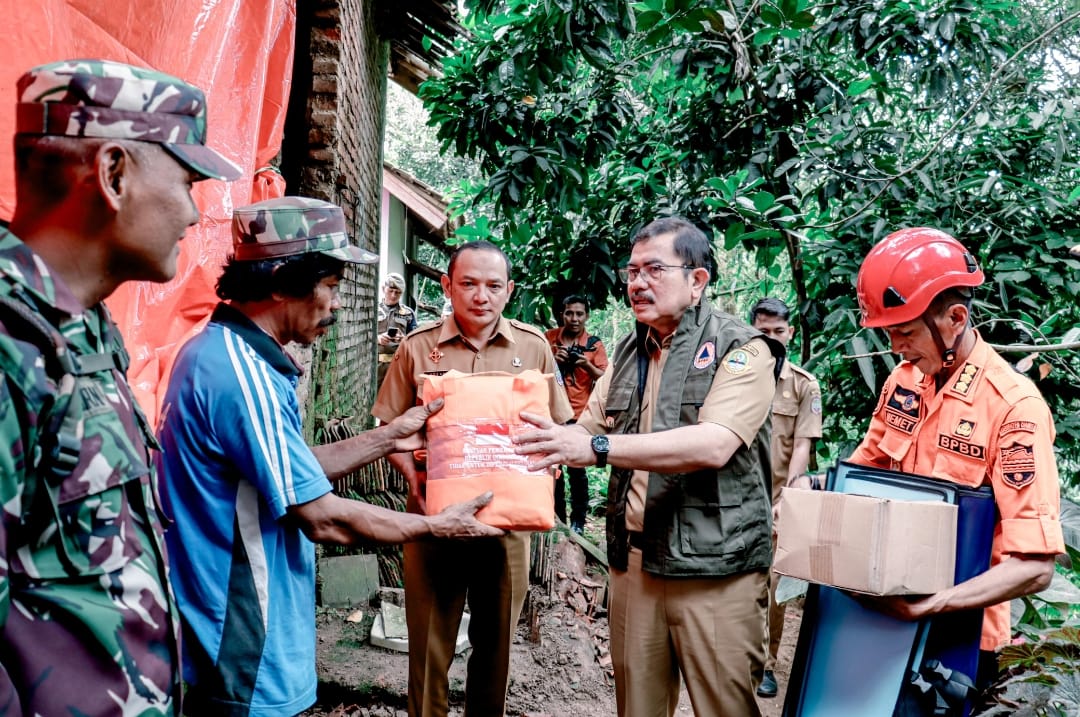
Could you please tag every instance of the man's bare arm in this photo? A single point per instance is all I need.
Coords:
(341, 458)
(340, 521)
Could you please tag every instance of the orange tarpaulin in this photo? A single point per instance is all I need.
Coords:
(240, 53)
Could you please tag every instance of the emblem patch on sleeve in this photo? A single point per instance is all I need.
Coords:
(1018, 464)
(737, 362)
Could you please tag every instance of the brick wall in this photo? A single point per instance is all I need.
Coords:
(344, 70)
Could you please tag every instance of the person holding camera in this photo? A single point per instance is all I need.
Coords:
(582, 360)
(395, 321)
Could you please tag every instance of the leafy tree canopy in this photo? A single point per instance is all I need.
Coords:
(800, 131)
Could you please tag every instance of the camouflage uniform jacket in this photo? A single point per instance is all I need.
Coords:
(88, 624)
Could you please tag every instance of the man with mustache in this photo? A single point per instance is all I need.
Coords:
(249, 498)
(682, 415)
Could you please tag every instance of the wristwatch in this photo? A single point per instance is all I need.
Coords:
(600, 446)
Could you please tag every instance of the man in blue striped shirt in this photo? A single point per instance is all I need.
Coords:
(249, 498)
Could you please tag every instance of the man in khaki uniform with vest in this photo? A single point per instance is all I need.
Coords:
(682, 416)
(492, 574)
(796, 422)
(396, 321)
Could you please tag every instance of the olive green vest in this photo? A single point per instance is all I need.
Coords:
(707, 523)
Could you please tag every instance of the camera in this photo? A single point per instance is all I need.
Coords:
(572, 354)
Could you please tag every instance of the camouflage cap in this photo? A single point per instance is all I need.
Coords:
(111, 100)
(395, 280)
(293, 225)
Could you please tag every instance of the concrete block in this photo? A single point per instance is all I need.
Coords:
(348, 580)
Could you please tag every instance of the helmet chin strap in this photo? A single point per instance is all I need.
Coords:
(948, 355)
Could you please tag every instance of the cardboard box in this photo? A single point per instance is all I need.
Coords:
(869, 545)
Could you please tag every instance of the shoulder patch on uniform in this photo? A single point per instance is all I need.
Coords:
(736, 362)
(815, 403)
(1017, 464)
(1014, 426)
(750, 348)
(706, 354)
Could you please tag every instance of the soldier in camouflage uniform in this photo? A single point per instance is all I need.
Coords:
(105, 154)
(247, 495)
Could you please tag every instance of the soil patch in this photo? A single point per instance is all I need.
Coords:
(560, 666)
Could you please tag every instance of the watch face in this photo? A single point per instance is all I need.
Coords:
(601, 444)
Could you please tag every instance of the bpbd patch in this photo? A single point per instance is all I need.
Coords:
(961, 447)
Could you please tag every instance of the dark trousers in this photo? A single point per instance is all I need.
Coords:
(579, 495)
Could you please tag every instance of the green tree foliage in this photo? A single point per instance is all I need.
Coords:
(800, 131)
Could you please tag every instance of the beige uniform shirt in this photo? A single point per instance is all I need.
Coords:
(738, 400)
(433, 349)
(796, 413)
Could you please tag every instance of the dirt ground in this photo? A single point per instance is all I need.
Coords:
(560, 665)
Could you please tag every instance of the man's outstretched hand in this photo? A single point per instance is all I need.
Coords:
(459, 520)
(407, 429)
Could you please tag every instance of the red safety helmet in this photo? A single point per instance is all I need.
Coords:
(905, 271)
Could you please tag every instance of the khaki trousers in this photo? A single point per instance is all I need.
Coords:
(712, 630)
(776, 618)
(492, 575)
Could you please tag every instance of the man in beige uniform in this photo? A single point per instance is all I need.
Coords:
(396, 321)
(796, 422)
(491, 573)
(682, 416)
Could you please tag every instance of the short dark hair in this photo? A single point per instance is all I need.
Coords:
(691, 244)
(770, 306)
(295, 276)
(948, 297)
(478, 245)
(576, 299)
(42, 164)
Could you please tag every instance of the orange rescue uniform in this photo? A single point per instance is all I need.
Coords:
(987, 426)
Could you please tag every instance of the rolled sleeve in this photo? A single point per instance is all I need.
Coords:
(742, 391)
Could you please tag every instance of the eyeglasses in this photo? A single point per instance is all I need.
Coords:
(653, 272)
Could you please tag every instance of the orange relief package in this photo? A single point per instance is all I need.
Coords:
(470, 452)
